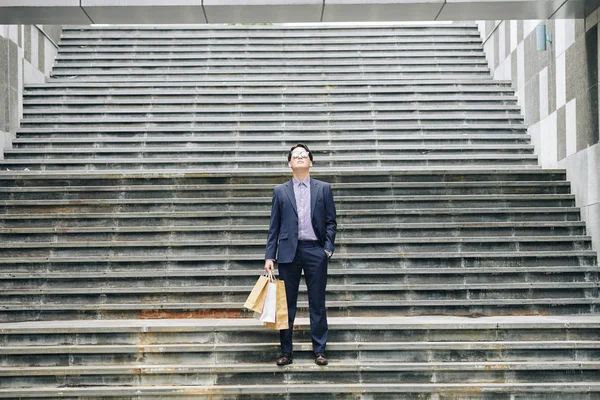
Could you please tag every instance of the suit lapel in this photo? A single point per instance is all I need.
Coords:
(314, 190)
(289, 190)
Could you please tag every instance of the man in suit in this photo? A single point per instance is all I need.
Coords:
(301, 238)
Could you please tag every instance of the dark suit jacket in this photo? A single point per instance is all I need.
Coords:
(282, 239)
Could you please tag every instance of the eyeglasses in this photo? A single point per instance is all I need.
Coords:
(300, 154)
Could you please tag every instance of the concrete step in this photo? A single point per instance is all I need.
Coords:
(263, 204)
(234, 152)
(353, 342)
(508, 118)
(282, 72)
(76, 247)
(213, 232)
(244, 77)
(275, 31)
(211, 165)
(239, 110)
(373, 52)
(408, 88)
(134, 190)
(252, 176)
(395, 85)
(240, 62)
(273, 42)
(168, 306)
(81, 100)
(164, 219)
(183, 141)
(304, 44)
(176, 290)
(165, 100)
(337, 275)
(374, 130)
(536, 257)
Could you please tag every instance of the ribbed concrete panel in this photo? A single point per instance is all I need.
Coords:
(381, 10)
(144, 11)
(457, 10)
(256, 11)
(52, 12)
(61, 12)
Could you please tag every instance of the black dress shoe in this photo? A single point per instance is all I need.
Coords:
(320, 359)
(284, 359)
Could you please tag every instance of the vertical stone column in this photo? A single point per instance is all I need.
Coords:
(558, 90)
(27, 53)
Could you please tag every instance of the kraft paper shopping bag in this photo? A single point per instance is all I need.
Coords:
(256, 299)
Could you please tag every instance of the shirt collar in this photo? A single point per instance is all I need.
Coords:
(306, 182)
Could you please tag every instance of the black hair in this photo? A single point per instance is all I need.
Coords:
(305, 147)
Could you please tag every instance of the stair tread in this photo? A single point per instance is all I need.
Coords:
(342, 227)
(332, 271)
(306, 367)
(330, 288)
(255, 257)
(311, 388)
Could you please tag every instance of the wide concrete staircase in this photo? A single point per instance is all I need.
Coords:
(135, 204)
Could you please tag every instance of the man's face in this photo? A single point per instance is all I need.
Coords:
(300, 159)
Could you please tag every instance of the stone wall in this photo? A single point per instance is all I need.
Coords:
(558, 93)
(26, 56)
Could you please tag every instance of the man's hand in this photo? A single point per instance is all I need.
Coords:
(269, 266)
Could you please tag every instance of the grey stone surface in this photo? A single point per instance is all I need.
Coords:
(20, 36)
(532, 100)
(4, 83)
(551, 86)
(496, 41)
(582, 64)
(53, 31)
(41, 50)
(587, 123)
(27, 42)
(42, 12)
(185, 11)
(460, 10)
(561, 133)
(380, 10)
(489, 27)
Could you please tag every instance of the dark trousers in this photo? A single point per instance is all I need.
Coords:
(311, 258)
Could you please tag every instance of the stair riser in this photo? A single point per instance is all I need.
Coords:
(268, 353)
(172, 248)
(186, 153)
(234, 178)
(334, 278)
(150, 143)
(59, 221)
(261, 235)
(144, 137)
(259, 206)
(174, 192)
(240, 60)
(450, 392)
(348, 299)
(430, 264)
(414, 310)
(136, 164)
(242, 336)
(333, 377)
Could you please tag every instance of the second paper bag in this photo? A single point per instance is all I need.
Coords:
(270, 308)
(281, 316)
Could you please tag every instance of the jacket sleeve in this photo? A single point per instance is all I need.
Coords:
(330, 222)
(274, 225)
